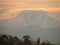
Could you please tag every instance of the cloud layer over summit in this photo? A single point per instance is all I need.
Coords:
(9, 8)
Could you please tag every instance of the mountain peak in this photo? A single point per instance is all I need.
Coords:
(29, 17)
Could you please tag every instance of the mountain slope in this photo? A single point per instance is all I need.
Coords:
(35, 23)
(29, 17)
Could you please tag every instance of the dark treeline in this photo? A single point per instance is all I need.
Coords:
(9, 40)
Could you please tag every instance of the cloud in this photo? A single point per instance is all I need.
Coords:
(55, 16)
(9, 8)
(29, 3)
(12, 12)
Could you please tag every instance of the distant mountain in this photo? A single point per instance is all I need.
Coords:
(29, 17)
(36, 23)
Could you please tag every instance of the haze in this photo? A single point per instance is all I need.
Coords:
(34, 17)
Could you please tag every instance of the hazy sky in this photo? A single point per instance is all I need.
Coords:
(10, 16)
(9, 7)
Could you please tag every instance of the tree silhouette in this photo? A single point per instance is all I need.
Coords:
(46, 42)
(38, 41)
(27, 40)
(43, 43)
(4, 40)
